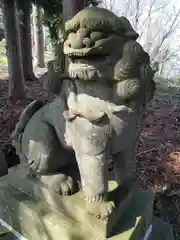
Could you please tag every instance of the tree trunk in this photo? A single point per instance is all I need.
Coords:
(16, 78)
(38, 36)
(71, 7)
(1, 18)
(45, 38)
(24, 8)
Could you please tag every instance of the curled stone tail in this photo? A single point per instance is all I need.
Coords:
(23, 120)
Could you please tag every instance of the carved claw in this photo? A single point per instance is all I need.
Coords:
(60, 183)
(106, 209)
(66, 187)
(94, 199)
(101, 210)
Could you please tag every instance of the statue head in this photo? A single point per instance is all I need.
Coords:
(102, 46)
(94, 42)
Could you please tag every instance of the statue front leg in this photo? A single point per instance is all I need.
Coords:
(93, 170)
(94, 180)
(91, 143)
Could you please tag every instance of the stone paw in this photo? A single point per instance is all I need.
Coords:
(60, 183)
(101, 210)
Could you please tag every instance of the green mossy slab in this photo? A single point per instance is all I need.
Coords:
(36, 220)
(75, 207)
(38, 214)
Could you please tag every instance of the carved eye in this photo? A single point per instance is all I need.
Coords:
(95, 36)
(87, 42)
(84, 32)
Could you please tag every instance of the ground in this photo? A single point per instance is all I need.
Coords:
(158, 154)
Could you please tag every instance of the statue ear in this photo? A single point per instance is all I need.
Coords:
(130, 33)
(51, 81)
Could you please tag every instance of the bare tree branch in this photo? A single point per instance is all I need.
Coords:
(137, 14)
(157, 23)
(128, 4)
(155, 10)
(172, 27)
(109, 4)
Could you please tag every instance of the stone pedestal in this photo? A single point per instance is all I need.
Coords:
(38, 213)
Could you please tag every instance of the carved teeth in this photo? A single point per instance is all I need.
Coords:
(93, 200)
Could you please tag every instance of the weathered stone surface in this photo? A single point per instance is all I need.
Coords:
(22, 210)
(121, 198)
(35, 219)
(92, 125)
(161, 230)
(98, 113)
(70, 217)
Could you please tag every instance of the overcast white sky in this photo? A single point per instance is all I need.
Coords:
(161, 20)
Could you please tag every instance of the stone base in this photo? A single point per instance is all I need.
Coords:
(3, 231)
(37, 217)
(36, 220)
(161, 230)
(74, 207)
(5, 234)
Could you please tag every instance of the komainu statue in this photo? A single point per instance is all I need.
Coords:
(97, 115)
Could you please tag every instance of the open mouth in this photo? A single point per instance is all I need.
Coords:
(83, 68)
(87, 59)
(75, 47)
(85, 52)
